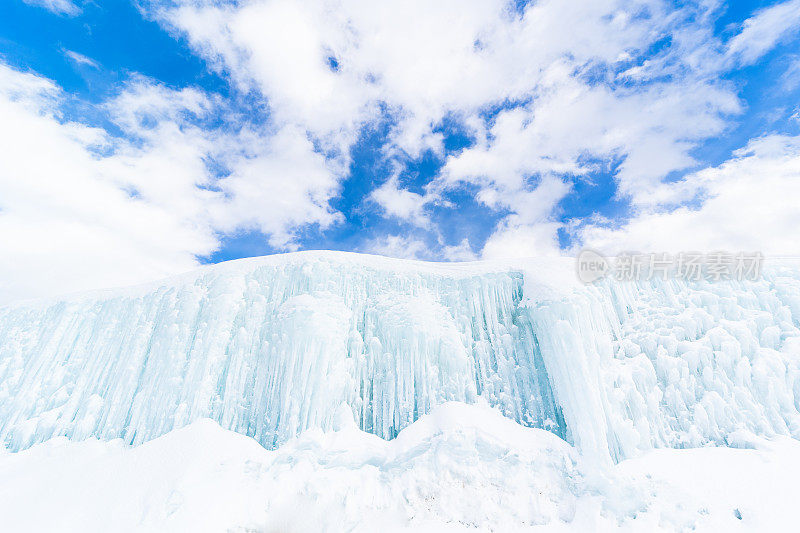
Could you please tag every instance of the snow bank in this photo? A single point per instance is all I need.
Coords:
(460, 468)
(270, 347)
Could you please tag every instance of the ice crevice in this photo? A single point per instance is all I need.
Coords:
(270, 347)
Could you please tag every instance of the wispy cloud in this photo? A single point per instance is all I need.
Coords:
(761, 32)
(80, 59)
(59, 7)
(791, 76)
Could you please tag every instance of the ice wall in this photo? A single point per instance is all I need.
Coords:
(638, 365)
(271, 346)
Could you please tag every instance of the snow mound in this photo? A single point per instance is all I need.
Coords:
(460, 468)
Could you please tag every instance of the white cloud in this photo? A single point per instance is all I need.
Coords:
(401, 203)
(28, 91)
(426, 61)
(463, 55)
(791, 76)
(398, 246)
(80, 208)
(761, 32)
(65, 224)
(520, 240)
(459, 252)
(80, 59)
(747, 203)
(410, 247)
(282, 49)
(652, 130)
(529, 231)
(278, 186)
(59, 7)
(567, 86)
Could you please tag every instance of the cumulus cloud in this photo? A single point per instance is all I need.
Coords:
(82, 208)
(66, 223)
(519, 240)
(745, 204)
(276, 186)
(401, 203)
(547, 93)
(332, 65)
(573, 84)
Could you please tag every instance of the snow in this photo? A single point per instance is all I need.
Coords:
(460, 468)
(732, 489)
(271, 347)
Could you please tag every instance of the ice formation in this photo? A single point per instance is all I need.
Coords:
(270, 347)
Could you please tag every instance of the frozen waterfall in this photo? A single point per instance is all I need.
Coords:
(271, 346)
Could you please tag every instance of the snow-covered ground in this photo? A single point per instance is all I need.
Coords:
(460, 468)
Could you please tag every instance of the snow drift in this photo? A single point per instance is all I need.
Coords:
(461, 468)
(273, 346)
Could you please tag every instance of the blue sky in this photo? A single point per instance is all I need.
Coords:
(167, 134)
